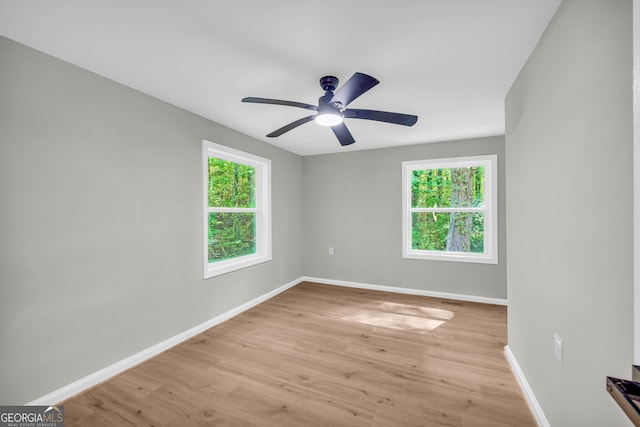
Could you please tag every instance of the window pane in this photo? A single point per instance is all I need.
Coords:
(447, 187)
(231, 235)
(453, 232)
(231, 184)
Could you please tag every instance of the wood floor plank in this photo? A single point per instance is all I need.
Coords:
(321, 355)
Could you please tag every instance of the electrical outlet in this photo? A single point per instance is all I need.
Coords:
(330, 250)
(557, 347)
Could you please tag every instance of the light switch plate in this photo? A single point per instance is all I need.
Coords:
(557, 347)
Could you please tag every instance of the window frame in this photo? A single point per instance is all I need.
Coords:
(490, 209)
(262, 209)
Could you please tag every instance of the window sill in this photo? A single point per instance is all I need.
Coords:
(223, 267)
(450, 256)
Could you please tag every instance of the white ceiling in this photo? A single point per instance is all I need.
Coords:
(451, 62)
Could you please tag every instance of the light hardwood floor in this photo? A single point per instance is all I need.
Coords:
(320, 355)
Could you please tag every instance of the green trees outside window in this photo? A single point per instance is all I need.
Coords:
(449, 209)
(232, 224)
(237, 209)
(445, 218)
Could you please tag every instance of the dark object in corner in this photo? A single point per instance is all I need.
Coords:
(627, 396)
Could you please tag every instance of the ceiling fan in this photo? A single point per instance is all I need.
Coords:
(332, 108)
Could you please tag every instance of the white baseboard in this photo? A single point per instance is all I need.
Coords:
(526, 389)
(110, 371)
(409, 291)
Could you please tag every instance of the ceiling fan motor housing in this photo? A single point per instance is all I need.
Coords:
(325, 106)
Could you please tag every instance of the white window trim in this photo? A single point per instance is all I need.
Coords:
(490, 255)
(262, 209)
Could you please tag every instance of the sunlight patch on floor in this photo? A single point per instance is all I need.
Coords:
(408, 318)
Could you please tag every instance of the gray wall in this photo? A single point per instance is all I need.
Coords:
(353, 202)
(569, 211)
(101, 223)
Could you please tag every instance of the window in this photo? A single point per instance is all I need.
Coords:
(237, 213)
(449, 209)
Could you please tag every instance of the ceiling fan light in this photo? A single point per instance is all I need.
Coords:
(328, 119)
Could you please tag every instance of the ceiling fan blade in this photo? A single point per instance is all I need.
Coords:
(354, 87)
(279, 102)
(381, 116)
(290, 126)
(343, 134)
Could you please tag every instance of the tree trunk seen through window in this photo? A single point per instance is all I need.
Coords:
(462, 191)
